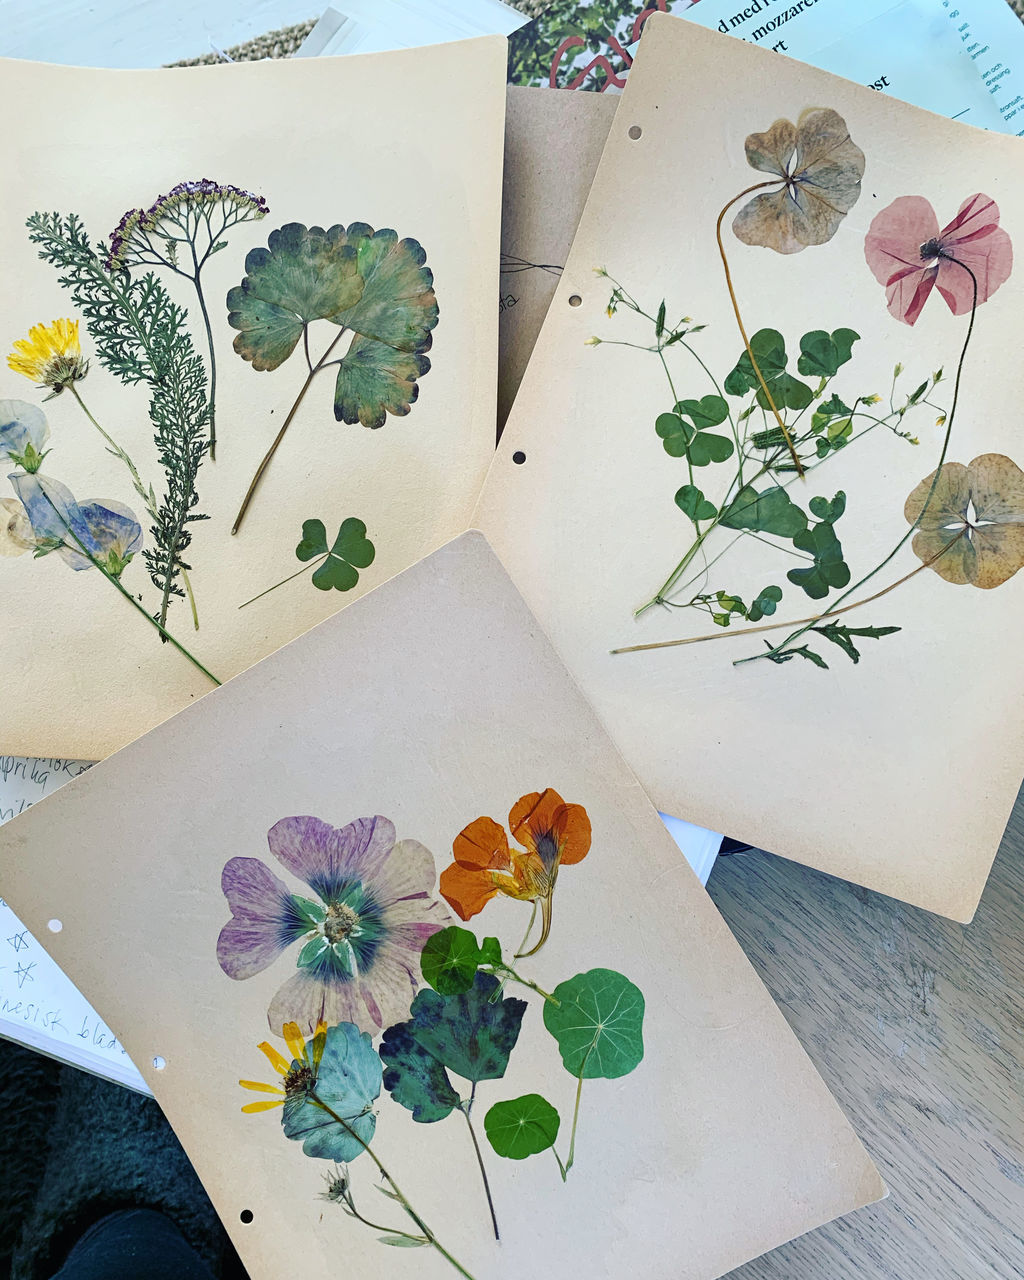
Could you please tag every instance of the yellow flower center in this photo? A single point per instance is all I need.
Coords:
(340, 921)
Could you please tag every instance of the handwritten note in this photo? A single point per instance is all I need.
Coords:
(39, 1006)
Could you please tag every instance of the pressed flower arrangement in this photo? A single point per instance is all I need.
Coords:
(370, 286)
(375, 956)
(769, 422)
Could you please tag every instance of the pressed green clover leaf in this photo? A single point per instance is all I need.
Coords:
(769, 350)
(822, 355)
(348, 1081)
(829, 569)
(765, 604)
(522, 1126)
(772, 511)
(691, 500)
(598, 1024)
(470, 1034)
(450, 958)
(304, 274)
(684, 431)
(351, 551)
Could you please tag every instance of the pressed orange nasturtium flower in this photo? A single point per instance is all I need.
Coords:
(297, 1075)
(552, 834)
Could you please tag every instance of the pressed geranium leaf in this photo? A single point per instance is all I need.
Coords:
(691, 500)
(397, 306)
(522, 1126)
(304, 274)
(598, 1024)
(348, 1081)
(822, 355)
(470, 1034)
(374, 380)
(772, 511)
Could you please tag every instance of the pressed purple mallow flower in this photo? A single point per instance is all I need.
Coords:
(361, 935)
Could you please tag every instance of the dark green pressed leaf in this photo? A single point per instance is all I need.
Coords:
(843, 636)
(826, 510)
(772, 511)
(822, 355)
(764, 604)
(826, 411)
(352, 550)
(449, 960)
(490, 952)
(706, 447)
(829, 570)
(470, 1034)
(314, 540)
(659, 324)
(348, 1081)
(522, 1126)
(674, 432)
(304, 274)
(787, 393)
(598, 1024)
(784, 655)
(709, 411)
(375, 380)
(691, 500)
(403, 1242)
(769, 350)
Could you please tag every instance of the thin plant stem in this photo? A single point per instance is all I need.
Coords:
(935, 478)
(818, 617)
(431, 1238)
(558, 1161)
(758, 186)
(520, 950)
(314, 370)
(575, 1118)
(509, 972)
(376, 1226)
(165, 634)
(213, 367)
(139, 487)
(305, 569)
(480, 1159)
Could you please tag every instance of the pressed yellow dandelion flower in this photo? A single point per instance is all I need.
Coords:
(51, 355)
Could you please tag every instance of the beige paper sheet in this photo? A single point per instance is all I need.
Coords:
(899, 772)
(410, 140)
(553, 142)
(434, 700)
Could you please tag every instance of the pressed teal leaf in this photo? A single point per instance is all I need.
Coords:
(304, 274)
(470, 1034)
(375, 380)
(772, 511)
(691, 500)
(348, 1081)
(522, 1126)
(598, 1024)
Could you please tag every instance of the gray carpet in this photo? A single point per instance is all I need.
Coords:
(73, 1147)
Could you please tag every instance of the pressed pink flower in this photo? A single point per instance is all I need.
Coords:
(910, 255)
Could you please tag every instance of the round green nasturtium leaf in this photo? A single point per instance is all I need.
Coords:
(522, 1127)
(304, 274)
(449, 960)
(598, 1024)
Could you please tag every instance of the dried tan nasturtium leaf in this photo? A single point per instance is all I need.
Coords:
(820, 169)
(974, 522)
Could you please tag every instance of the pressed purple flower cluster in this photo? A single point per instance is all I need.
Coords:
(194, 194)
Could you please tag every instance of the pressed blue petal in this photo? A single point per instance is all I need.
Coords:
(349, 1082)
(52, 511)
(21, 424)
(113, 529)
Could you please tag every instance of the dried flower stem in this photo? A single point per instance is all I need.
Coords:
(758, 186)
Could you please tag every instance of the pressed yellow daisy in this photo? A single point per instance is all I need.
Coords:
(51, 355)
(299, 1075)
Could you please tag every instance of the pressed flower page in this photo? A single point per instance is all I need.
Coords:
(417, 974)
(248, 331)
(762, 483)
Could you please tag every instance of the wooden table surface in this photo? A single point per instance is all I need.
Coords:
(917, 1026)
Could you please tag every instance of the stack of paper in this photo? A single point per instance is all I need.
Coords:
(749, 551)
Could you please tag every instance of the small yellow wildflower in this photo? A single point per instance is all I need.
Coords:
(51, 355)
(296, 1075)
(870, 399)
